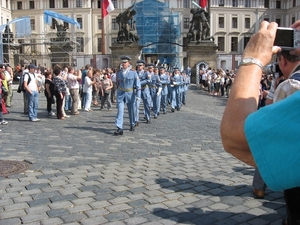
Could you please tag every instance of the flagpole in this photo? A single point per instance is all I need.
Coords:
(103, 36)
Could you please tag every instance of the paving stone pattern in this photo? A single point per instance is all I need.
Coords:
(172, 171)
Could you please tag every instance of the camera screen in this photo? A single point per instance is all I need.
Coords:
(284, 38)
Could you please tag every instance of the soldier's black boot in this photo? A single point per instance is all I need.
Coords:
(119, 131)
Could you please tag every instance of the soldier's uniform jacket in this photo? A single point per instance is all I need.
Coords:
(165, 80)
(128, 86)
(176, 80)
(155, 84)
(186, 82)
(145, 83)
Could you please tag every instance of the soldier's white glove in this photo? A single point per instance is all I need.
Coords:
(174, 83)
(159, 91)
(137, 98)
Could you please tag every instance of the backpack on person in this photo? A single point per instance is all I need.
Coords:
(21, 83)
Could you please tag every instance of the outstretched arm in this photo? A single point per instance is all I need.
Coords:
(243, 98)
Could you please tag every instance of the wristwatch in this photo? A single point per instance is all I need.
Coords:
(251, 61)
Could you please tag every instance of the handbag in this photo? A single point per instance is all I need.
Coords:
(4, 91)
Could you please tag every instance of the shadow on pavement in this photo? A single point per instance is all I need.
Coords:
(197, 216)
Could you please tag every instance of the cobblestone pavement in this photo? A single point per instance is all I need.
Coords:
(172, 171)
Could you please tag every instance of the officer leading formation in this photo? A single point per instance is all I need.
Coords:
(154, 86)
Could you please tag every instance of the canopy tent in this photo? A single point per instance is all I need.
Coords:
(23, 29)
(48, 15)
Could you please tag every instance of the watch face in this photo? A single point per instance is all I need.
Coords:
(247, 60)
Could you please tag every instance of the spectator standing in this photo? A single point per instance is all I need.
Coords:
(32, 93)
(49, 92)
(9, 76)
(60, 91)
(88, 89)
(106, 87)
(73, 83)
(2, 77)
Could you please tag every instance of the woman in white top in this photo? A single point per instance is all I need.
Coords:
(88, 89)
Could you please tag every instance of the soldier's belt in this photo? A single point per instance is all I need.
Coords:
(153, 87)
(144, 86)
(164, 85)
(126, 89)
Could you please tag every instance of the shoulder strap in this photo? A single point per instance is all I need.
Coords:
(296, 74)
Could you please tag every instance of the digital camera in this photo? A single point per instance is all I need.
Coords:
(287, 38)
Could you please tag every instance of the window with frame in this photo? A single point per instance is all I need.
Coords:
(32, 24)
(234, 3)
(221, 2)
(33, 45)
(79, 20)
(267, 3)
(99, 4)
(246, 40)
(278, 21)
(52, 4)
(278, 4)
(221, 43)
(167, 3)
(293, 19)
(21, 49)
(115, 3)
(99, 44)
(80, 47)
(99, 24)
(19, 5)
(234, 22)
(247, 4)
(186, 3)
(221, 22)
(65, 3)
(247, 23)
(186, 23)
(114, 24)
(31, 4)
(234, 44)
(294, 3)
(53, 24)
(79, 3)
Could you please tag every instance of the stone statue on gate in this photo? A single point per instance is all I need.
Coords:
(127, 28)
(61, 31)
(199, 26)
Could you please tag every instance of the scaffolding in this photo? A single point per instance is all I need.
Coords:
(159, 30)
(37, 49)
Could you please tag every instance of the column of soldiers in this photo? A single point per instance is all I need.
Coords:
(155, 86)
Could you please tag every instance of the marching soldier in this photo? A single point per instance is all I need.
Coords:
(165, 81)
(186, 83)
(176, 82)
(155, 89)
(127, 82)
(145, 81)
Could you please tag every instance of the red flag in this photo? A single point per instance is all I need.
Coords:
(203, 3)
(107, 7)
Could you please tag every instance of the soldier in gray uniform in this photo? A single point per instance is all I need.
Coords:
(186, 83)
(165, 81)
(127, 82)
(155, 89)
(176, 82)
(145, 81)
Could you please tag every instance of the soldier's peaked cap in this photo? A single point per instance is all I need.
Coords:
(140, 62)
(150, 65)
(125, 58)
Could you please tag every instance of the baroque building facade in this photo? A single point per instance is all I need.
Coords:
(232, 23)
